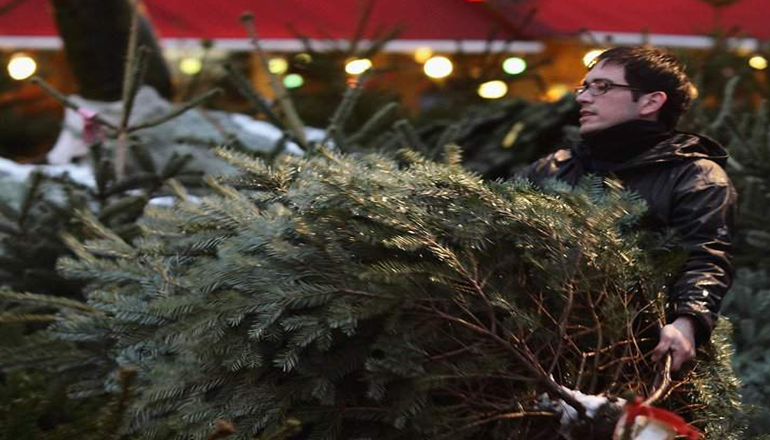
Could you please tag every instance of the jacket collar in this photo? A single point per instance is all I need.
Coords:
(637, 143)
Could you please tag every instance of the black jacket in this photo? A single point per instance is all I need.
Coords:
(681, 176)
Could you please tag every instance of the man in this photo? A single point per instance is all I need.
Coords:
(630, 101)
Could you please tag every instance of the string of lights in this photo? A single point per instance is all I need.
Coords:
(22, 65)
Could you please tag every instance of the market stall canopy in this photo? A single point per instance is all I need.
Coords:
(440, 24)
(683, 23)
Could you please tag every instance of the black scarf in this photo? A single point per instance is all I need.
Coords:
(607, 149)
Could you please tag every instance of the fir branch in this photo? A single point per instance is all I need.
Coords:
(408, 136)
(344, 109)
(47, 300)
(175, 165)
(133, 67)
(380, 39)
(132, 205)
(31, 196)
(372, 123)
(523, 356)
(95, 226)
(232, 194)
(246, 89)
(114, 415)
(448, 136)
(134, 181)
(26, 318)
(69, 103)
(335, 134)
(727, 102)
(504, 416)
(410, 157)
(135, 70)
(453, 155)
(9, 213)
(295, 124)
(104, 174)
(358, 33)
(307, 45)
(665, 382)
(133, 74)
(176, 112)
(8, 228)
(563, 321)
(143, 158)
(259, 171)
(178, 189)
(599, 341)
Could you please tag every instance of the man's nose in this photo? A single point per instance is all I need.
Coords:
(584, 97)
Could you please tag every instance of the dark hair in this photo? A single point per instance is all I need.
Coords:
(651, 70)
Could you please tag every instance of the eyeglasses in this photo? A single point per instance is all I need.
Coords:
(601, 86)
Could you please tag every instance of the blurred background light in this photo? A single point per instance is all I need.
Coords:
(591, 55)
(423, 54)
(278, 66)
(758, 62)
(493, 89)
(438, 67)
(190, 65)
(358, 66)
(293, 80)
(21, 66)
(514, 65)
(557, 91)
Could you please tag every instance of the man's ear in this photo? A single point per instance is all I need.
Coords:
(651, 103)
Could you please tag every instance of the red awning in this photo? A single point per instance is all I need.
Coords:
(667, 22)
(432, 21)
(442, 22)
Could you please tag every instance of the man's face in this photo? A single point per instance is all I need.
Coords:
(615, 106)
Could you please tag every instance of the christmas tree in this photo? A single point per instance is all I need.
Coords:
(375, 297)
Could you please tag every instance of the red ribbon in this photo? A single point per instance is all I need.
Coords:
(636, 408)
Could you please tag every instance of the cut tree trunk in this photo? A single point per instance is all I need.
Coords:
(95, 35)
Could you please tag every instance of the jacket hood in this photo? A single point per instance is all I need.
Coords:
(682, 146)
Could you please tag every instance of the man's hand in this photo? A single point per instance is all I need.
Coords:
(678, 338)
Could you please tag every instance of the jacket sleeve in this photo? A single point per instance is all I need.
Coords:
(702, 213)
(533, 172)
(544, 167)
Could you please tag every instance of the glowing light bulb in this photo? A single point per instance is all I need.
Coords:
(514, 65)
(293, 80)
(743, 51)
(358, 66)
(423, 54)
(758, 62)
(556, 92)
(438, 67)
(278, 66)
(493, 89)
(190, 65)
(21, 67)
(591, 55)
(303, 58)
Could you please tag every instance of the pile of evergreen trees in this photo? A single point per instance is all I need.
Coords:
(371, 297)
